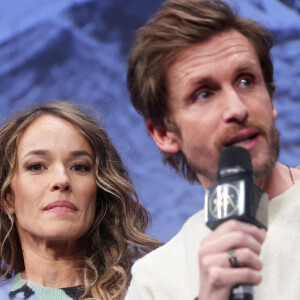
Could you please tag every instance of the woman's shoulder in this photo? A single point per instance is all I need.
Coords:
(17, 288)
(6, 287)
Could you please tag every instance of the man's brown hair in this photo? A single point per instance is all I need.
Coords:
(177, 25)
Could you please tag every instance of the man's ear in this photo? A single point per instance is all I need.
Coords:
(167, 141)
(274, 111)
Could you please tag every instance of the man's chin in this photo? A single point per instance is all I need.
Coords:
(262, 170)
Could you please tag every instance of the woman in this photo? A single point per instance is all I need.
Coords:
(71, 224)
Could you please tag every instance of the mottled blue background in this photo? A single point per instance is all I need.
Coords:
(63, 49)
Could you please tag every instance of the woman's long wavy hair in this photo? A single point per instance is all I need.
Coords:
(115, 239)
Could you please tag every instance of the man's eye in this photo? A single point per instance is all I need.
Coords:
(202, 95)
(246, 82)
(81, 168)
(35, 167)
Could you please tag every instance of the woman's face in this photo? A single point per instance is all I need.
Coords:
(54, 185)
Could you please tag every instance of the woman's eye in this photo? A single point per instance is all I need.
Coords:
(36, 167)
(81, 168)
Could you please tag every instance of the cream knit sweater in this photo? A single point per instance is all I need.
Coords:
(171, 272)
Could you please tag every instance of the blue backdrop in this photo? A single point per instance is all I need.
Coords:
(76, 50)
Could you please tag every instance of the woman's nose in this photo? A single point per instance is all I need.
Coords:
(61, 181)
(61, 186)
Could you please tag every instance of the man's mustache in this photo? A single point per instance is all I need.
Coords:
(235, 128)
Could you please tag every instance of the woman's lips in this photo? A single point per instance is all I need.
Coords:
(61, 207)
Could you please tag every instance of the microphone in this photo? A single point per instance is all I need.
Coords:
(236, 197)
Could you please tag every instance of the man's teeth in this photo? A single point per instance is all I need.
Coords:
(241, 143)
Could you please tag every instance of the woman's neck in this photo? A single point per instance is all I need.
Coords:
(53, 264)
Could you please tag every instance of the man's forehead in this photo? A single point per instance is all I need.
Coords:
(231, 45)
(217, 45)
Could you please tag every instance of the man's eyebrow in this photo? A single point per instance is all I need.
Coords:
(246, 66)
(203, 80)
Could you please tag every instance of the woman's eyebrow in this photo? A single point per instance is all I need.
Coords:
(74, 153)
(36, 152)
(81, 153)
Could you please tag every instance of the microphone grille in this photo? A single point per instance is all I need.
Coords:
(235, 156)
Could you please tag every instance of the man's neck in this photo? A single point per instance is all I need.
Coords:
(279, 180)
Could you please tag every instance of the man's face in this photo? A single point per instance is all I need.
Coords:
(218, 98)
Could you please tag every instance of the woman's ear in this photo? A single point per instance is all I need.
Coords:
(166, 140)
(10, 203)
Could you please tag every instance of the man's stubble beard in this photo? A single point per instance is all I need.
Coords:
(274, 149)
(259, 172)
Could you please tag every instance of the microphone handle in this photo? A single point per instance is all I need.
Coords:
(242, 292)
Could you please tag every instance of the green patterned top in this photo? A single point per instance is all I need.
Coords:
(16, 288)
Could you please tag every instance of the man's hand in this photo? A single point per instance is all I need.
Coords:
(217, 277)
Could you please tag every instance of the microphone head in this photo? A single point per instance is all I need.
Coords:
(235, 196)
(234, 158)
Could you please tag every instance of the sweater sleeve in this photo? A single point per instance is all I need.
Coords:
(170, 272)
(141, 286)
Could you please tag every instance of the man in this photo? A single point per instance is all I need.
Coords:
(202, 77)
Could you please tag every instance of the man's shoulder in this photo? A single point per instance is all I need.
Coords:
(187, 239)
(171, 271)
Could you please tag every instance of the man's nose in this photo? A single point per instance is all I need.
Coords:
(61, 180)
(235, 108)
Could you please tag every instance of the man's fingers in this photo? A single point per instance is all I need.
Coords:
(221, 277)
(228, 241)
(234, 225)
(230, 256)
(244, 256)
